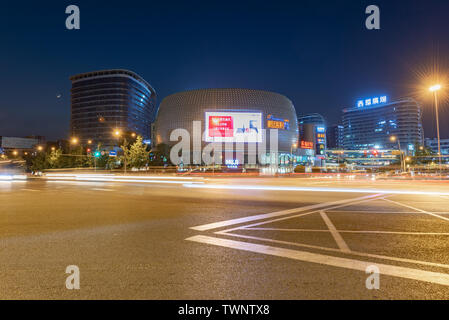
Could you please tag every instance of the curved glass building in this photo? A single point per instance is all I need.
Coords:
(373, 122)
(109, 100)
(229, 114)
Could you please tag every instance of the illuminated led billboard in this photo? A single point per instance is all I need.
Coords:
(276, 123)
(233, 127)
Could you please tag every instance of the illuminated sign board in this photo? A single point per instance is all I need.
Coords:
(275, 123)
(232, 163)
(371, 101)
(321, 129)
(306, 144)
(233, 127)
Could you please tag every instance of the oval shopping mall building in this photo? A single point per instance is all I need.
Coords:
(229, 116)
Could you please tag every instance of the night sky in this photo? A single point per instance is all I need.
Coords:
(317, 53)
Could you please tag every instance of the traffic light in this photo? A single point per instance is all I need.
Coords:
(97, 154)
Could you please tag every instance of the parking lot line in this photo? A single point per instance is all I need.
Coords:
(337, 237)
(417, 209)
(389, 270)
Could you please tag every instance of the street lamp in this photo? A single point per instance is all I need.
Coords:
(74, 140)
(394, 139)
(89, 141)
(40, 148)
(293, 146)
(435, 89)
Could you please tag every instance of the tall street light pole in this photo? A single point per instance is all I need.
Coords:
(394, 139)
(435, 89)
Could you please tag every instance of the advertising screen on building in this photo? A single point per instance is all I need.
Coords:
(306, 144)
(276, 123)
(233, 127)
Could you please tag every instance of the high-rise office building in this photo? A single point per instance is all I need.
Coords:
(372, 123)
(111, 100)
(335, 136)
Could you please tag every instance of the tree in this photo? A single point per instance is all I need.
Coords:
(39, 162)
(54, 159)
(136, 155)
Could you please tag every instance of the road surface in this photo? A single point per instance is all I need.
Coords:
(224, 238)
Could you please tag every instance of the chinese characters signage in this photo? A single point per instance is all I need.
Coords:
(306, 144)
(371, 101)
(275, 123)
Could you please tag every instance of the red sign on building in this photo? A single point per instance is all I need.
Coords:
(306, 144)
(221, 126)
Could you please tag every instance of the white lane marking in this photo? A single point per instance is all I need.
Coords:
(337, 237)
(422, 211)
(315, 189)
(368, 211)
(33, 190)
(356, 253)
(231, 222)
(375, 197)
(354, 231)
(389, 270)
(101, 189)
(286, 230)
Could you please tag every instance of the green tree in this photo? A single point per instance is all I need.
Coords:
(135, 155)
(39, 162)
(54, 159)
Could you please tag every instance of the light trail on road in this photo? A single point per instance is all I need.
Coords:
(315, 189)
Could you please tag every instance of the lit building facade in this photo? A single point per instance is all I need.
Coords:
(109, 100)
(372, 123)
(230, 115)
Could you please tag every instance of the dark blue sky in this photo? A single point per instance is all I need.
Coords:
(317, 53)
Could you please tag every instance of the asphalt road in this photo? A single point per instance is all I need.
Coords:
(224, 238)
